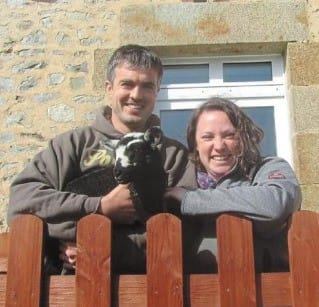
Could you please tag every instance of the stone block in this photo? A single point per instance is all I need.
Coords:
(35, 38)
(61, 113)
(214, 23)
(6, 137)
(23, 67)
(80, 99)
(303, 64)
(15, 118)
(83, 67)
(310, 199)
(55, 78)
(2, 101)
(45, 97)
(63, 39)
(305, 108)
(306, 157)
(24, 24)
(77, 83)
(101, 57)
(6, 84)
(28, 83)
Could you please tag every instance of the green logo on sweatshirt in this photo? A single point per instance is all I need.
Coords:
(99, 157)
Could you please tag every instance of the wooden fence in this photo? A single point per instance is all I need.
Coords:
(22, 282)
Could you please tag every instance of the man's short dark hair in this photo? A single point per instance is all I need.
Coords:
(137, 57)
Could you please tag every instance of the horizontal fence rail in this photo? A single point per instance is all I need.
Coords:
(22, 282)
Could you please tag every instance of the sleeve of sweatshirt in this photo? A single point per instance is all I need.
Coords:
(175, 158)
(269, 200)
(38, 188)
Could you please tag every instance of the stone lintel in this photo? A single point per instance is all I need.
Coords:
(214, 23)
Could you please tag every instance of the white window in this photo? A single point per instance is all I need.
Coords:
(255, 83)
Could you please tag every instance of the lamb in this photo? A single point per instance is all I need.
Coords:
(138, 162)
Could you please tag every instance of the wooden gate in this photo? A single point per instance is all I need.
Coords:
(22, 282)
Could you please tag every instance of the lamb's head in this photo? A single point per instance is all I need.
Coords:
(136, 153)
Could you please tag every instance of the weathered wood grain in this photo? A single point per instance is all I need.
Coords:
(236, 266)
(25, 262)
(164, 261)
(93, 269)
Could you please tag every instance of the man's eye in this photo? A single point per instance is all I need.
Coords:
(126, 85)
(149, 86)
(207, 137)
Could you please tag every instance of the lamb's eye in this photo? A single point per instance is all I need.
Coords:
(137, 150)
(131, 155)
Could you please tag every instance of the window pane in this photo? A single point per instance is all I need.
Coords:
(177, 74)
(243, 72)
(174, 124)
(264, 118)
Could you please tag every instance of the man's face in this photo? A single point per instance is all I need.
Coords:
(133, 93)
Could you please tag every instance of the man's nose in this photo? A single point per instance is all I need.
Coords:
(136, 93)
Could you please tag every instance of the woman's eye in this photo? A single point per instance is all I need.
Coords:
(230, 136)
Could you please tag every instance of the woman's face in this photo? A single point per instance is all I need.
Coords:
(217, 143)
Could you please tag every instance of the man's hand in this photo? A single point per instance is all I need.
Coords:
(67, 254)
(118, 205)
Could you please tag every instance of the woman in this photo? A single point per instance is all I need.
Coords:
(231, 176)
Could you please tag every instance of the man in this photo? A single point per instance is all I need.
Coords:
(60, 184)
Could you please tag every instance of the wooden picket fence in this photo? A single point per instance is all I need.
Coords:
(22, 282)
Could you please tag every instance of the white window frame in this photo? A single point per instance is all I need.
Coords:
(244, 94)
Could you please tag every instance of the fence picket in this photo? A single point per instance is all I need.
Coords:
(236, 267)
(304, 258)
(164, 261)
(25, 262)
(93, 269)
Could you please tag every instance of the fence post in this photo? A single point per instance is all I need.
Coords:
(25, 262)
(236, 267)
(164, 261)
(93, 268)
(304, 258)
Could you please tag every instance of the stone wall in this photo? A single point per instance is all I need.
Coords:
(53, 53)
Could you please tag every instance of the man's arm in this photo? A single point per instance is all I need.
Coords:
(38, 190)
(176, 164)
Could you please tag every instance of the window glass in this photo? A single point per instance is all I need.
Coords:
(264, 118)
(174, 125)
(245, 72)
(179, 74)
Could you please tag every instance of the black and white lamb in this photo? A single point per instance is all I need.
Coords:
(138, 162)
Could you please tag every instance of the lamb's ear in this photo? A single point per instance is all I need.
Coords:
(109, 144)
(153, 135)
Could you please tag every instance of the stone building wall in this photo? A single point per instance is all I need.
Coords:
(53, 53)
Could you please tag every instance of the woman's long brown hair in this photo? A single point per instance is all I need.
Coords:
(250, 135)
